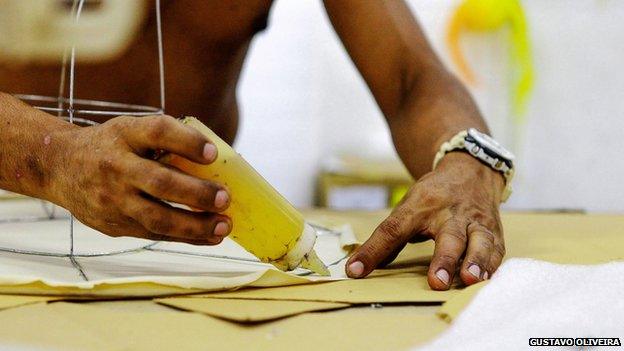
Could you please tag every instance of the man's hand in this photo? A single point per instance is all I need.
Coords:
(108, 183)
(457, 206)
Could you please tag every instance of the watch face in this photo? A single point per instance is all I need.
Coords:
(487, 142)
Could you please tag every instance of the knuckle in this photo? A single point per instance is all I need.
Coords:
(158, 126)
(122, 125)
(158, 224)
(480, 256)
(483, 218)
(428, 198)
(120, 122)
(161, 181)
(499, 248)
(484, 246)
(455, 233)
(485, 232)
(446, 259)
(391, 229)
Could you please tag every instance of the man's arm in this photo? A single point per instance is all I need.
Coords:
(425, 105)
(28, 159)
(104, 176)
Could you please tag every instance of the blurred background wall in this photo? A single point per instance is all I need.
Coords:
(303, 101)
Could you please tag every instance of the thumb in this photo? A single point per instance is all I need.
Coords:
(389, 238)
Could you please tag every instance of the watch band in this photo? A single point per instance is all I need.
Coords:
(458, 142)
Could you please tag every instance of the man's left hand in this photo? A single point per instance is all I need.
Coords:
(456, 205)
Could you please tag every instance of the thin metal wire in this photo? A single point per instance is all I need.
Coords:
(86, 102)
(199, 254)
(161, 61)
(233, 258)
(70, 110)
(86, 255)
(29, 219)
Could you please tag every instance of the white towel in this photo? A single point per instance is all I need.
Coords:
(534, 299)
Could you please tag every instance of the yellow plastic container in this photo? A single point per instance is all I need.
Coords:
(264, 222)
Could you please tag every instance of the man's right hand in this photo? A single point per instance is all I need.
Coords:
(110, 184)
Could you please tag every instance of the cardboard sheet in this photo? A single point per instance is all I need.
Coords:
(10, 301)
(565, 238)
(136, 267)
(70, 326)
(394, 288)
(453, 307)
(239, 310)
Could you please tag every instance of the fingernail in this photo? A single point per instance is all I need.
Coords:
(210, 152)
(221, 199)
(475, 270)
(356, 269)
(221, 229)
(443, 275)
(485, 275)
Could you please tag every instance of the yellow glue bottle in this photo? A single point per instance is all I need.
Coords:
(264, 223)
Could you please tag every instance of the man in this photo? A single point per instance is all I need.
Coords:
(108, 182)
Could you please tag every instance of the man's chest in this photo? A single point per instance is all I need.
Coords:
(40, 31)
(204, 43)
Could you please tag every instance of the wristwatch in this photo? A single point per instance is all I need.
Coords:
(485, 149)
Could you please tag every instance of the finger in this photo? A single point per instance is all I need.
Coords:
(496, 258)
(388, 260)
(165, 132)
(171, 185)
(477, 258)
(390, 236)
(450, 244)
(115, 227)
(164, 222)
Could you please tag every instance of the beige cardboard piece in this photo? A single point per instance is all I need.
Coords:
(453, 307)
(10, 301)
(401, 287)
(165, 287)
(71, 326)
(246, 311)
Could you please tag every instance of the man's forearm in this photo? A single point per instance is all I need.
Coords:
(422, 102)
(30, 144)
(436, 108)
